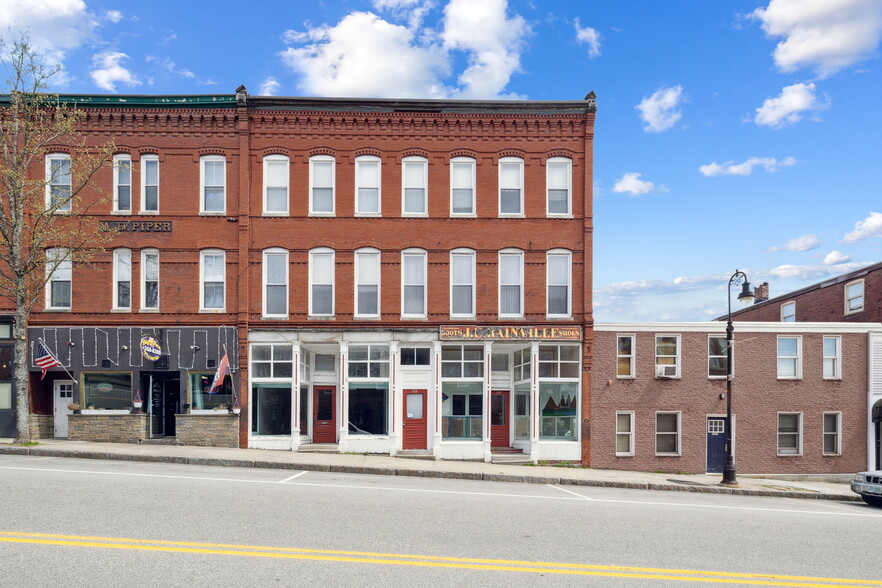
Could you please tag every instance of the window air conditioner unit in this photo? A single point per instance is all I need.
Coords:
(665, 371)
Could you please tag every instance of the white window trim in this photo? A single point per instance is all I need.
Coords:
(415, 252)
(202, 161)
(375, 253)
(143, 182)
(798, 375)
(118, 160)
(725, 354)
(677, 358)
(520, 254)
(633, 356)
(631, 434)
(312, 254)
(358, 163)
(276, 158)
(838, 357)
(49, 157)
(863, 297)
(264, 284)
(143, 294)
(471, 253)
(799, 434)
(425, 165)
(323, 159)
(785, 314)
(117, 255)
(51, 260)
(569, 164)
(202, 255)
(569, 257)
(471, 161)
(824, 433)
(520, 162)
(679, 451)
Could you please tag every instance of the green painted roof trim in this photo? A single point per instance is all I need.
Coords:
(144, 101)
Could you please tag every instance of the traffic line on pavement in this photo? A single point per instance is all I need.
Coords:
(434, 561)
(583, 497)
(289, 478)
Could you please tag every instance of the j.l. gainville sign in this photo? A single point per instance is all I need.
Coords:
(511, 333)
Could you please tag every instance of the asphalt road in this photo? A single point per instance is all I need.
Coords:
(68, 522)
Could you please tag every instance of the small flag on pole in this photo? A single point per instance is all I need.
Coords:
(43, 359)
(223, 370)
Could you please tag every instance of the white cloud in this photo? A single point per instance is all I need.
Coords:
(807, 272)
(826, 35)
(630, 183)
(788, 108)
(803, 243)
(730, 168)
(366, 55)
(53, 25)
(834, 257)
(108, 71)
(172, 67)
(659, 112)
(269, 87)
(590, 37)
(865, 229)
(113, 16)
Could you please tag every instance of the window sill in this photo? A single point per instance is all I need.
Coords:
(559, 317)
(322, 214)
(626, 377)
(274, 317)
(149, 310)
(368, 215)
(789, 379)
(212, 213)
(463, 215)
(511, 215)
(668, 455)
(120, 310)
(56, 310)
(789, 455)
(563, 216)
(414, 215)
(275, 214)
(148, 212)
(414, 317)
(832, 379)
(374, 317)
(624, 455)
(456, 317)
(121, 212)
(212, 311)
(321, 317)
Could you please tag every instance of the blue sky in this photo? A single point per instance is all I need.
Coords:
(739, 134)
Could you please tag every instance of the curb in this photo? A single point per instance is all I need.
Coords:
(418, 473)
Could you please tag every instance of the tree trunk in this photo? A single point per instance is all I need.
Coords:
(22, 388)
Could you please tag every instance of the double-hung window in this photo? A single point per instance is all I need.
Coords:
(122, 279)
(275, 185)
(511, 186)
(788, 312)
(321, 185)
(667, 356)
(559, 283)
(854, 297)
(149, 279)
(832, 358)
(624, 433)
(321, 282)
(149, 184)
(213, 176)
(717, 356)
(122, 183)
(58, 182)
(667, 433)
(367, 287)
(832, 437)
(558, 179)
(212, 277)
(462, 283)
(415, 179)
(625, 355)
(413, 283)
(511, 283)
(59, 269)
(367, 186)
(789, 358)
(462, 186)
(789, 433)
(275, 283)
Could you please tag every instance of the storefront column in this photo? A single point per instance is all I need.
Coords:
(396, 401)
(488, 350)
(535, 409)
(343, 399)
(295, 400)
(435, 392)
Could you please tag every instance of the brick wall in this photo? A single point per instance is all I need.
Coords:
(112, 428)
(207, 430)
(758, 396)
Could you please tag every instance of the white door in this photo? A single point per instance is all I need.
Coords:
(63, 397)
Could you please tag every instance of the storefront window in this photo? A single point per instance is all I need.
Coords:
(107, 390)
(522, 411)
(557, 403)
(369, 361)
(5, 395)
(462, 410)
(368, 408)
(304, 409)
(272, 361)
(271, 409)
(203, 398)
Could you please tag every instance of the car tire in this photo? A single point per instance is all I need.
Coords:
(872, 500)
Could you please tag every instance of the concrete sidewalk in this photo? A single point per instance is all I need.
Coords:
(820, 487)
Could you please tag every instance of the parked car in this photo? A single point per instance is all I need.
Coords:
(869, 486)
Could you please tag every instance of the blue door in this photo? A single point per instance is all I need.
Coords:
(716, 444)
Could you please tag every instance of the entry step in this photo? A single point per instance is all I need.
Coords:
(158, 441)
(319, 448)
(416, 454)
(510, 458)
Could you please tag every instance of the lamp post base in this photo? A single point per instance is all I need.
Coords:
(729, 474)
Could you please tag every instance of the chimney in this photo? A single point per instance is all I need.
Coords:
(761, 293)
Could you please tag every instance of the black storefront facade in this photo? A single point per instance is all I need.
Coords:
(133, 383)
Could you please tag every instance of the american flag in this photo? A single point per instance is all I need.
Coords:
(44, 360)
(223, 370)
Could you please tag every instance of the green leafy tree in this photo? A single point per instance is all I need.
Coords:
(41, 207)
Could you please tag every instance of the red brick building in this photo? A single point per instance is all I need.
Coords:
(384, 275)
(801, 402)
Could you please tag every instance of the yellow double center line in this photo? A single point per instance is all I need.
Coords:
(435, 561)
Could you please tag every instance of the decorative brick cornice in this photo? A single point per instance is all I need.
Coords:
(276, 150)
(463, 153)
(512, 153)
(368, 151)
(415, 152)
(211, 151)
(322, 151)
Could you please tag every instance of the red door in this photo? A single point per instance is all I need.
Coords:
(499, 431)
(324, 413)
(414, 420)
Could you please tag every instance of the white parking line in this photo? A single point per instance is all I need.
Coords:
(289, 478)
(569, 492)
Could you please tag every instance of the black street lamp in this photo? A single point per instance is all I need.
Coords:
(745, 297)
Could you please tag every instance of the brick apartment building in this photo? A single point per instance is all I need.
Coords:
(801, 400)
(384, 276)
